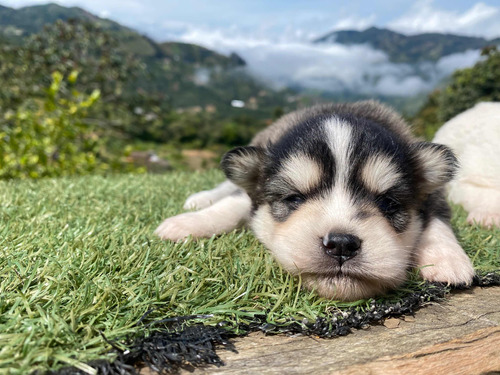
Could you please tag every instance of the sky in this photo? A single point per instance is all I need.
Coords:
(274, 36)
(292, 19)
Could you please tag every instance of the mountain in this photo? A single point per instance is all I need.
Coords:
(403, 48)
(15, 24)
(193, 54)
(189, 76)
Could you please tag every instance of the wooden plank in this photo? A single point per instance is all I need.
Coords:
(477, 353)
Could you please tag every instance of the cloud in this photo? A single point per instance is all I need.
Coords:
(330, 67)
(479, 20)
(450, 63)
(355, 23)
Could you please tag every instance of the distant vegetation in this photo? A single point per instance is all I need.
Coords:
(466, 88)
(187, 76)
(141, 99)
(47, 137)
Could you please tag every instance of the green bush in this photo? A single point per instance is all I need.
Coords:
(49, 136)
(472, 85)
(467, 87)
(426, 122)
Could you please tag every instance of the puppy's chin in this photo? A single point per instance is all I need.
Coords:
(345, 287)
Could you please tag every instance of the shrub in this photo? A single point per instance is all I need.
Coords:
(466, 88)
(472, 85)
(49, 136)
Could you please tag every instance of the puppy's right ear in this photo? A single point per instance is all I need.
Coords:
(242, 166)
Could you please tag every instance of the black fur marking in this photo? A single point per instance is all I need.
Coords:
(371, 139)
(367, 139)
(435, 206)
(306, 139)
(242, 166)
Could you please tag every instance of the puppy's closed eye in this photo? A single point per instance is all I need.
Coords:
(388, 205)
(294, 201)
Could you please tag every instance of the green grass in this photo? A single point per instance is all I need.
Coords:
(78, 257)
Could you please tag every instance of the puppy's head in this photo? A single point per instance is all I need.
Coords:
(337, 201)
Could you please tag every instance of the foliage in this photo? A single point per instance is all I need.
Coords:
(93, 60)
(49, 136)
(472, 85)
(426, 121)
(66, 47)
(466, 88)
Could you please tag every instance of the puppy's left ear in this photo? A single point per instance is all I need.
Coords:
(242, 166)
(437, 164)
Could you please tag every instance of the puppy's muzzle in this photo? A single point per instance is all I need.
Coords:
(341, 247)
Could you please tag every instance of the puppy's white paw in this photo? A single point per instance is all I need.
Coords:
(455, 269)
(181, 226)
(200, 200)
(440, 258)
(486, 219)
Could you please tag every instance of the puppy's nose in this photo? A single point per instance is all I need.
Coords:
(341, 247)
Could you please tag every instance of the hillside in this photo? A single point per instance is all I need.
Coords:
(180, 71)
(18, 23)
(408, 48)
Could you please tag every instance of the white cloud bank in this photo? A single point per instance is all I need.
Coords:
(287, 58)
(330, 67)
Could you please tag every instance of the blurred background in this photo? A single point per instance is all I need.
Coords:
(102, 86)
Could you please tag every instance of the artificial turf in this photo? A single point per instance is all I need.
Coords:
(80, 268)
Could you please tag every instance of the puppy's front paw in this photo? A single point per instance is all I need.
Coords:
(440, 258)
(486, 219)
(450, 266)
(181, 226)
(199, 200)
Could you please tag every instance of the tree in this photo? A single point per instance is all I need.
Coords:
(472, 85)
(49, 137)
(466, 88)
(66, 47)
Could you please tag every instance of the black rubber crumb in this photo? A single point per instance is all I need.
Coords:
(175, 344)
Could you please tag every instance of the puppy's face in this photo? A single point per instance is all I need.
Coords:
(337, 200)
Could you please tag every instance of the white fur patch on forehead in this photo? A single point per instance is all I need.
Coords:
(379, 174)
(340, 140)
(301, 171)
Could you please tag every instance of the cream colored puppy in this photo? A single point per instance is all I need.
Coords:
(474, 137)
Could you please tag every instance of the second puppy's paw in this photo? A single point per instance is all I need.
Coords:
(486, 219)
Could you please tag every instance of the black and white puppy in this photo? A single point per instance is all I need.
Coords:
(342, 195)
